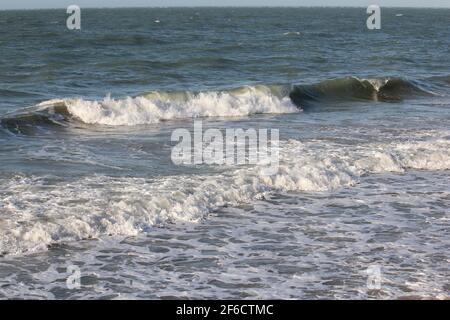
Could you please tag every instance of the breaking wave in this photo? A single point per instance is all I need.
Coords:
(36, 214)
(156, 106)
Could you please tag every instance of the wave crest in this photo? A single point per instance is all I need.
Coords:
(156, 106)
(353, 88)
(159, 106)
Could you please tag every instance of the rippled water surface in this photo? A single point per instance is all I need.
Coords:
(86, 176)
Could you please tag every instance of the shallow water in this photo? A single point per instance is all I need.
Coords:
(88, 181)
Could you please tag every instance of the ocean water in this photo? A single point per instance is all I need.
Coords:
(87, 181)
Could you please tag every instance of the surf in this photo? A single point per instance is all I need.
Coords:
(129, 206)
(158, 106)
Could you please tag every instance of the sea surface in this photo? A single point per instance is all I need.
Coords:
(359, 207)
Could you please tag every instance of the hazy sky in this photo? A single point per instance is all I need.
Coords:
(26, 4)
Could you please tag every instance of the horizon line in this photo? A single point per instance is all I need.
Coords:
(218, 7)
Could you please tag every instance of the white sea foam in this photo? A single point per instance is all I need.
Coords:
(35, 213)
(159, 106)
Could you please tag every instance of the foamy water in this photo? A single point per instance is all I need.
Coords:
(98, 205)
(156, 107)
(87, 180)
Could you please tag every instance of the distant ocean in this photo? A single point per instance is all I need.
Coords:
(86, 177)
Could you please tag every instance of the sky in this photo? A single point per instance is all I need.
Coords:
(37, 4)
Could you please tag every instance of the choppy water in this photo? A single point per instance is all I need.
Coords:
(86, 177)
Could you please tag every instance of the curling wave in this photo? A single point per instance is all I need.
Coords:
(156, 106)
(353, 88)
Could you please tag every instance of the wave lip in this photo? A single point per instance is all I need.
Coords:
(29, 120)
